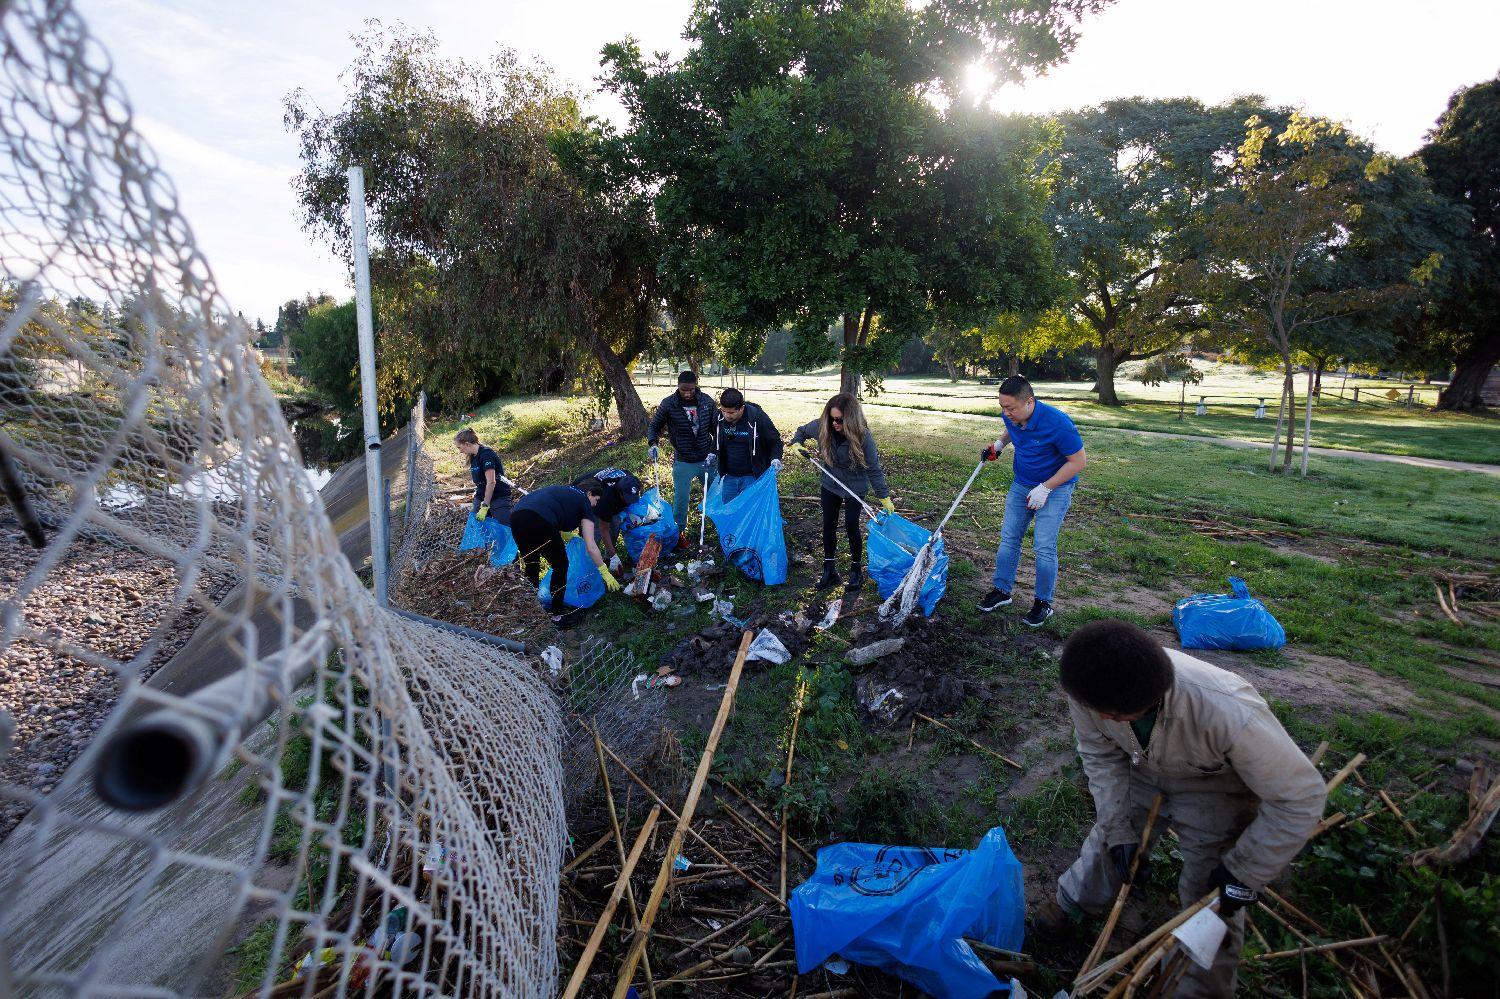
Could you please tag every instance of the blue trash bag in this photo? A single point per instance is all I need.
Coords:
(749, 528)
(585, 585)
(906, 910)
(1227, 621)
(892, 548)
(647, 516)
(478, 533)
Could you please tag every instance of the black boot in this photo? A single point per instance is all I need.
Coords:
(829, 577)
(856, 578)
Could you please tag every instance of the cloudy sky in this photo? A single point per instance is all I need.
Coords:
(208, 82)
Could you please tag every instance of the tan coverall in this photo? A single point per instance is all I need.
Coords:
(1234, 786)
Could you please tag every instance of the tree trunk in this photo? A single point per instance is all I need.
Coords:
(848, 376)
(1107, 360)
(1291, 422)
(1307, 426)
(1280, 419)
(1316, 378)
(633, 419)
(1466, 391)
(1015, 365)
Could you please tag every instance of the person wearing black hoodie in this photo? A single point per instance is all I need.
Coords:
(688, 417)
(746, 443)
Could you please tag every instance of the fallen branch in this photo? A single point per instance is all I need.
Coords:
(983, 749)
(1466, 838)
(1323, 948)
(581, 969)
(769, 821)
(1443, 605)
(791, 754)
(1097, 951)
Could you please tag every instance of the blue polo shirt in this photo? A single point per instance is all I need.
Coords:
(1043, 445)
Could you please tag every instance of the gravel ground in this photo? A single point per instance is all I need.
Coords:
(100, 596)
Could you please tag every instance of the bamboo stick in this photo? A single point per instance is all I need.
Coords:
(791, 754)
(769, 821)
(984, 749)
(614, 824)
(1103, 971)
(1343, 774)
(1097, 951)
(1317, 756)
(581, 970)
(1411, 829)
(1385, 953)
(1323, 948)
(1358, 989)
(586, 854)
(726, 928)
(659, 890)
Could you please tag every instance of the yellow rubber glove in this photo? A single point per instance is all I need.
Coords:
(887, 505)
(610, 582)
(483, 512)
(569, 536)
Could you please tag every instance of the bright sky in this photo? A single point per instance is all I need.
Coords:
(208, 81)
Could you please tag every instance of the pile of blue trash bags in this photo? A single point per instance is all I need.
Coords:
(647, 516)
(1227, 621)
(892, 549)
(906, 910)
(750, 528)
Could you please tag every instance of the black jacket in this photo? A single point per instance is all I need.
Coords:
(691, 440)
(748, 446)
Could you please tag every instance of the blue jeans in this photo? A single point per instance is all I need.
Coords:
(736, 484)
(683, 474)
(1048, 523)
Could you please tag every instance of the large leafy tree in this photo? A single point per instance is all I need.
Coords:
(1319, 238)
(506, 242)
(1462, 157)
(823, 169)
(1137, 180)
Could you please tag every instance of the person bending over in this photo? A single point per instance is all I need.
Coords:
(621, 489)
(746, 443)
(491, 487)
(841, 439)
(543, 521)
(688, 417)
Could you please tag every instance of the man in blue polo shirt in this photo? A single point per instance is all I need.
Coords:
(1049, 456)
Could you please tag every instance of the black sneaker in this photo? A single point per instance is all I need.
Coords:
(856, 579)
(1040, 611)
(829, 577)
(994, 600)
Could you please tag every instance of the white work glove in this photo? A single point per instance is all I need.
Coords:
(1037, 498)
(776, 465)
(653, 452)
(614, 563)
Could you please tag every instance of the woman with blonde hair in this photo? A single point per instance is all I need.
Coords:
(842, 441)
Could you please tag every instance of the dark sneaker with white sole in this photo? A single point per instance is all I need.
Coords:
(1040, 611)
(856, 580)
(994, 600)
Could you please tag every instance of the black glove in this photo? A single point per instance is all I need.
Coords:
(989, 453)
(1122, 857)
(1233, 896)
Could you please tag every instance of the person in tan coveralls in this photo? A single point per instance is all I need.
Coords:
(1241, 796)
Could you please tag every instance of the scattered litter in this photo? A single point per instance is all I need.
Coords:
(716, 686)
(553, 657)
(715, 924)
(681, 864)
(768, 648)
(702, 596)
(650, 682)
(837, 965)
(831, 616)
(662, 599)
(866, 654)
(723, 608)
(741, 955)
(679, 567)
(1201, 936)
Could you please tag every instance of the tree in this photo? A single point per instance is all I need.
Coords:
(1137, 180)
(327, 344)
(291, 315)
(1168, 368)
(1462, 157)
(820, 166)
(956, 348)
(508, 240)
(1305, 246)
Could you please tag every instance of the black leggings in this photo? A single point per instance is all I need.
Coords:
(830, 502)
(537, 540)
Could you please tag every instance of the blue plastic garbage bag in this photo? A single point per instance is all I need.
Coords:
(1227, 621)
(749, 528)
(906, 910)
(585, 585)
(647, 516)
(892, 548)
(478, 533)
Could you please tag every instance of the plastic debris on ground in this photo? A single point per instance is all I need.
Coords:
(866, 654)
(646, 517)
(662, 599)
(768, 648)
(478, 533)
(644, 682)
(585, 585)
(890, 551)
(750, 528)
(831, 616)
(907, 910)
(681, 864)
(553, 657)
(1234, 621)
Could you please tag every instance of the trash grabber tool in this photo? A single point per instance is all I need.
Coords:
(903, 598)
(869, 512)
(959, 498)
(517, 488)
(703, 512)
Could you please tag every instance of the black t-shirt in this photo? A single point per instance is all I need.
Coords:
(564, 507)
(482, 461)
(621, 489)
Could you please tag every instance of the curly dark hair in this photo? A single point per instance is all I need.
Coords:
(1116, 667)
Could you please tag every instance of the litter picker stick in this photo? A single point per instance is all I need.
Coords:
(959, 498)
(829, 475)
(659, 890)
(517, 488)
(703, 513)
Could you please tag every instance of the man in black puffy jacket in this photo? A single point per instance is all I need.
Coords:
(688, 416)
(746, 442)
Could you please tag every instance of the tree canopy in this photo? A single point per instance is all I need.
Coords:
(821, 166)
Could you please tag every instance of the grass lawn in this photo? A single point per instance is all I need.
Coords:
(1347, 559)
(1376, 424)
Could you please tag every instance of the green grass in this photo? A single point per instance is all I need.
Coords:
(1376, 424)
(505, 424)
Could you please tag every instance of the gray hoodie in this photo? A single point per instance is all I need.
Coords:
(841, 465)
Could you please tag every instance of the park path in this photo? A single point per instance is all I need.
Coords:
(1249, 445)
